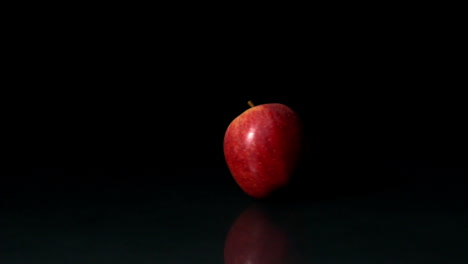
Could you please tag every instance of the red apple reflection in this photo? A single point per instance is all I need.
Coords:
(262, 147)
(256, 238)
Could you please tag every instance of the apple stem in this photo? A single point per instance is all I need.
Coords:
(250, 103)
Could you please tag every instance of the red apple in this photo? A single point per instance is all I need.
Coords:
(262, 148)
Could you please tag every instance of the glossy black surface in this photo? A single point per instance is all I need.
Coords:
(383, 108)
(143, 215)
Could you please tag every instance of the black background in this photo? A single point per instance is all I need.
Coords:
(118, 118)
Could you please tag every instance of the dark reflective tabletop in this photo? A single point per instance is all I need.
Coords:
(198, 215)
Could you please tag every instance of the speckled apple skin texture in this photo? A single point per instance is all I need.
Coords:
(262, 147)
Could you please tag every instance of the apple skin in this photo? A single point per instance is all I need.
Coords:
(262, 148)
